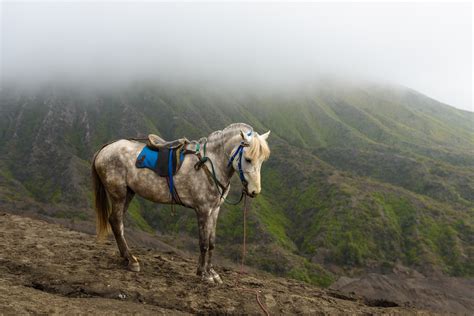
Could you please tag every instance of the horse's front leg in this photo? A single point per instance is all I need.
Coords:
(212, 242)
(207, 225)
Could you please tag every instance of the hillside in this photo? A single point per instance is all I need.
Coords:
(47, 269)
(361, 178)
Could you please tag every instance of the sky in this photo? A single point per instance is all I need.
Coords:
(423, 46)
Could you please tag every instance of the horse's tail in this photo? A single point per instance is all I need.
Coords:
(102, 205)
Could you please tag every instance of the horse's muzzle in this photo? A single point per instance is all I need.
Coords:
(251, 194)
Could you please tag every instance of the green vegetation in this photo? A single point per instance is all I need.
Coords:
(311, 273)
(134, 212)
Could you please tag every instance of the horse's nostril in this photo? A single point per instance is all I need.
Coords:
(254, 192)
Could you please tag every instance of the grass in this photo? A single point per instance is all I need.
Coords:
(135, 214)
(274, 220)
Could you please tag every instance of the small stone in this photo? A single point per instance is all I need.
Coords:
(122, 296)
(270, 300)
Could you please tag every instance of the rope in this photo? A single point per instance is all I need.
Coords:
(244, 250)
(241, 272)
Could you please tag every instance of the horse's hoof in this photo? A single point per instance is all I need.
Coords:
(215, 276)
(206, 277)
(134, 266)
(217, 279)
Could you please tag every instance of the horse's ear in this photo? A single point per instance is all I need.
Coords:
(246, 137)
(265, 136)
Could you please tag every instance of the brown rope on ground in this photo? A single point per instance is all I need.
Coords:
(241, 272)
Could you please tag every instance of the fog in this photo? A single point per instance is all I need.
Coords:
(427, 47)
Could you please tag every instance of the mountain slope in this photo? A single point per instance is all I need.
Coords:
(361, 177)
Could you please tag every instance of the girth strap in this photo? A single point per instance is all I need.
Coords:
(174, 193)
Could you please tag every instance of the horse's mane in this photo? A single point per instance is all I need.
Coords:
(258, 146)
(232, 129)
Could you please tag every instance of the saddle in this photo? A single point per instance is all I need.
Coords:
(157, 143)
(163, 157)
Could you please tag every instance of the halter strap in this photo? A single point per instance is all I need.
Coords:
(239, 152)
(231, 160)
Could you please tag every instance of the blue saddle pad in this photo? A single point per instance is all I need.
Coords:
(148, 158)
(165, 162)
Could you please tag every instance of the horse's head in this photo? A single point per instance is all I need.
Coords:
(247, 159)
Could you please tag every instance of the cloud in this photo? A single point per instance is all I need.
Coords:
(424, 46)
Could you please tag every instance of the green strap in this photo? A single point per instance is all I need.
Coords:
(220, 190)
(198, 148)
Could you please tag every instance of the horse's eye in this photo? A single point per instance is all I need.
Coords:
(248, 160)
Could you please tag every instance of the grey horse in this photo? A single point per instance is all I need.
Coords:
(116, 181)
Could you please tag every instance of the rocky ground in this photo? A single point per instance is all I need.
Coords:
(48, 269)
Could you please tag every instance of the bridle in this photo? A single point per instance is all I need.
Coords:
(239, 152)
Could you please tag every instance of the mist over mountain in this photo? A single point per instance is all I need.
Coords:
(424, 46)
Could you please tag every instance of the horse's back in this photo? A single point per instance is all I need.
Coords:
(121, 153)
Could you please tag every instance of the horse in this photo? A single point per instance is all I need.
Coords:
(116, 180)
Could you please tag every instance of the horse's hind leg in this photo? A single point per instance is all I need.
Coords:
(120, 204)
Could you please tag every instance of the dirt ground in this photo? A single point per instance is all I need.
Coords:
(445, 295)
(48, 269)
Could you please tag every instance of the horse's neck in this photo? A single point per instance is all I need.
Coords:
(219, 150)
